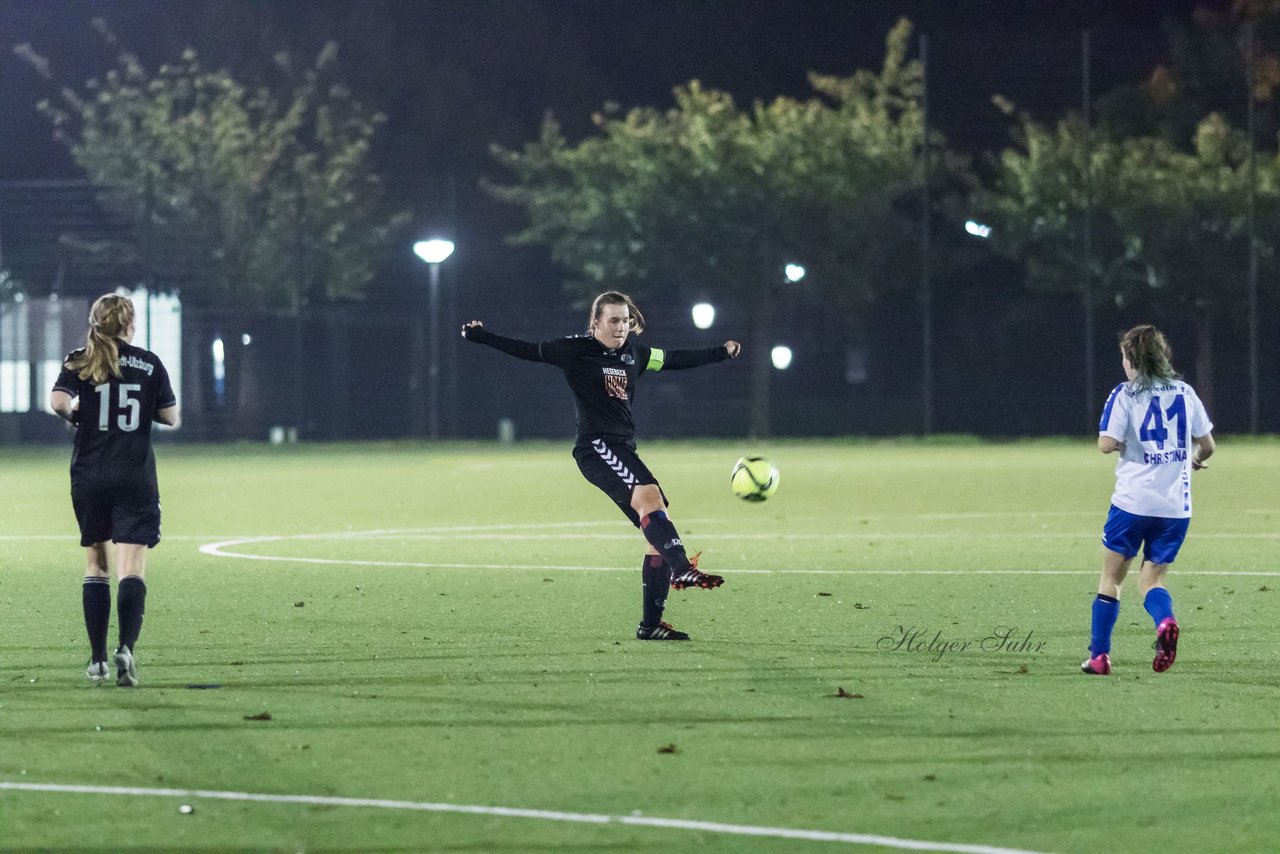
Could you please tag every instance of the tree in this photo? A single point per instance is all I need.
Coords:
(1208, 71)
(706, 192)
(1167, 223)
(249, 196)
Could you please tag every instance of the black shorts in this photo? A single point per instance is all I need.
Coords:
(121, 512)
(615, 468)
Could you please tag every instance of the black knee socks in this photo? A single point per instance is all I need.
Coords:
(96, 597)
(131, 600)
(662, 535)
(655, 582)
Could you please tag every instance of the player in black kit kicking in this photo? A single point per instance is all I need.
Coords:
(602, 368)
(112, 391)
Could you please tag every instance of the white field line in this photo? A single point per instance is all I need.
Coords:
(226, 549)
(516, 812)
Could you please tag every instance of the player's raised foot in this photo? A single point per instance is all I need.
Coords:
(126, 671)
(1166, 645)
(96, 671)
(662, 631)
(1099, 665)
(694, 577)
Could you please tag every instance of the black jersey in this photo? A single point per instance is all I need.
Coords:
(113, 434)
(603, 380)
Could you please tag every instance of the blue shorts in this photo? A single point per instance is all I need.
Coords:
(1158, 537)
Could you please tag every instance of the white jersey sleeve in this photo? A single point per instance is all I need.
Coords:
(1156, 423)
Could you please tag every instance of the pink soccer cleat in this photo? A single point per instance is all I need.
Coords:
(1099, 665)
(1166, 645)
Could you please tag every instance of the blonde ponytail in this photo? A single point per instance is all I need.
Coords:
(109, 322)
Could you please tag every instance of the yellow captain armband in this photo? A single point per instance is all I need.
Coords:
(656, 358)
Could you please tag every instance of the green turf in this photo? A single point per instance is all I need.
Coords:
(514, 680)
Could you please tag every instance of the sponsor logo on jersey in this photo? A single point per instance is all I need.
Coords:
(135, 362)
(616, 386)
(628, 359)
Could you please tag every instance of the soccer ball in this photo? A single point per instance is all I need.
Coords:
(754, 478)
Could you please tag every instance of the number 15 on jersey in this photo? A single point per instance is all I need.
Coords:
(129, 408)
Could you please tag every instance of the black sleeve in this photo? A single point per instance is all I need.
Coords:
(675, 360)
(164, 391)
(512, 346)
(68, 380)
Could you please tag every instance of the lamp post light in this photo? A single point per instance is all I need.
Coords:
(433, 252)
(704, 315)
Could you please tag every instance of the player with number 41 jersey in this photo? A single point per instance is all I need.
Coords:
(1154, 424)
(1158, 426)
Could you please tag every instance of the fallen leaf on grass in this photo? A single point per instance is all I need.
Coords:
(667, 748)
(824, 594)
(260, 716)
(299, 604)
(840, 692)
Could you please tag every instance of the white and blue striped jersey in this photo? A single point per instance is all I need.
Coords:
(1156, 423)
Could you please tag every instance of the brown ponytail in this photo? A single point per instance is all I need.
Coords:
(616, 298)
(109, 322)
(1148, 352)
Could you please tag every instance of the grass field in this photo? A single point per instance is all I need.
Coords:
(444, 635)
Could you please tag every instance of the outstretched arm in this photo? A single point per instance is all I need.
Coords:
(474, 331)
(674, 360)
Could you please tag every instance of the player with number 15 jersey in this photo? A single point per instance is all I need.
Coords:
(112, 391)
(113, 430)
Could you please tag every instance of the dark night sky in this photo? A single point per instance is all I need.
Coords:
(455, 76)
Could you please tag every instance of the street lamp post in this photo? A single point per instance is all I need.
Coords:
(433, 252)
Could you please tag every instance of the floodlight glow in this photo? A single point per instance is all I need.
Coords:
(704, 314)
(219, 360)
(781, 356)
(793, 272)
(433, 251)
(246, 339)
(977, 229)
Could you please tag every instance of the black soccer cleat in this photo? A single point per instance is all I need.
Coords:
(126, 671)
(662, 631)
(693, 577)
